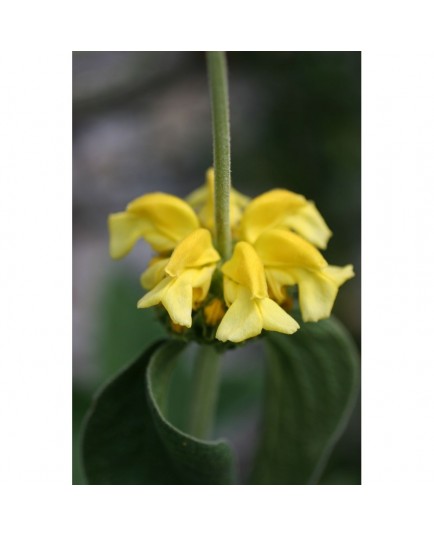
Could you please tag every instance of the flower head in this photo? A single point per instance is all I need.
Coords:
(278, 232)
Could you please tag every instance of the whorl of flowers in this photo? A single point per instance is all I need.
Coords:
(276, 236)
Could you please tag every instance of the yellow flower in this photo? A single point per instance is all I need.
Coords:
(278, 232)
(155, 273)
(281, 209)
(291, 260)
(250, 308)
(202, 200)
(186, 275)
(162, 220)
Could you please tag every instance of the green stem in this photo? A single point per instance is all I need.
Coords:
(218, 83)
(206, 378)
(206, 374)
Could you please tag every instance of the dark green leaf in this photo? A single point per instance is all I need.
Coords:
(80, 401)
(312, 381)
(196, 461)
(120, 444)
(127, 439)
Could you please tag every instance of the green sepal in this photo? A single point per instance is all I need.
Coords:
(311, 385)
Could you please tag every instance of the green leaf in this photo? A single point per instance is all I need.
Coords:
(120, 444)
(196, 461)
(128, 440)
(80, 402)
(311, 386)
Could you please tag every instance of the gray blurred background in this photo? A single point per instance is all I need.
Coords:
(142, 123)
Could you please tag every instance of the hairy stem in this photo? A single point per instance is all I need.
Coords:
(218, 83)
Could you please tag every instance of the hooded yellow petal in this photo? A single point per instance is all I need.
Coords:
(162, 220)
(202, 200)
(200, 282)
(165, 211)
(155, 272)
(176, 294)
(267, 210)
(195, 251)
(124, 230)
(275, 318)
(278, 247)
(309, 223)
(230, 290)
(178, 301)
(339, 274)
(289, 260)
(284, 209)
(318, 290)
(248, 316)
(317, 295)
(246, 269)
(154, 296)
(277, 281)
(242, 320)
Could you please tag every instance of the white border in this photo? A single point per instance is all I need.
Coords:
(35, 216)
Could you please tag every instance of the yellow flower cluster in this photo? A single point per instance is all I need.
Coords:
(277, 235)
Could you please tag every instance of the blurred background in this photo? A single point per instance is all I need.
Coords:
(142, 123)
